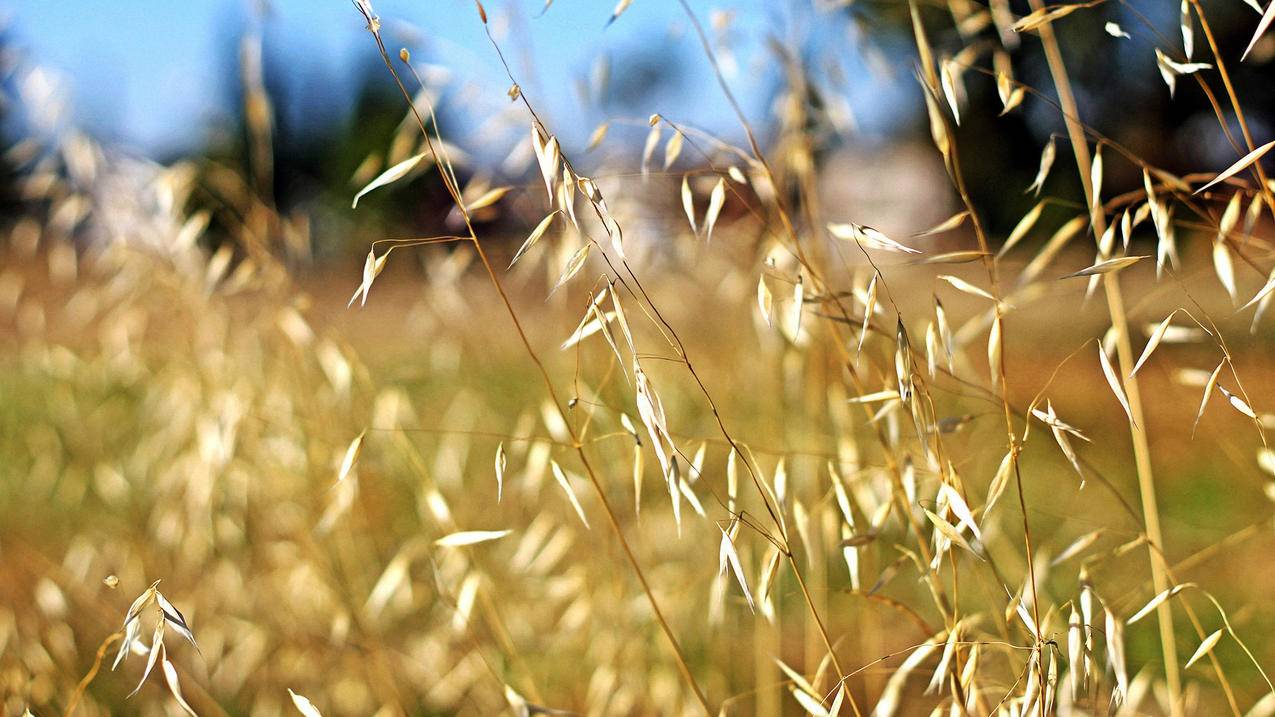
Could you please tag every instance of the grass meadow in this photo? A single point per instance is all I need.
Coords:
(670, 432)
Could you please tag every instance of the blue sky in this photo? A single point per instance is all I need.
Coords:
(151, 74)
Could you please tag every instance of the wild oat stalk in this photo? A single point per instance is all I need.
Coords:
(1124, 350)
(373, 25)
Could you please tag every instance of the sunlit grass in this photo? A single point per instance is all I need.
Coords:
(732, 452)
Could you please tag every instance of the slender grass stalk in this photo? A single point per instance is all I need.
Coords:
(671, 334)
(766, 643)
(990, 266)
(1262, 183)
(612, 519)
(1124, 351)
(83, 685)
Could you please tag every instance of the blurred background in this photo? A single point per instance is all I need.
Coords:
(161, 81)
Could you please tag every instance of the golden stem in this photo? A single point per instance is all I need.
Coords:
(1124, 351)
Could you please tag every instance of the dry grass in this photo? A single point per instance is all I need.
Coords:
(750, 456)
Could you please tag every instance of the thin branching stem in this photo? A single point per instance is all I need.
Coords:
(612, 519)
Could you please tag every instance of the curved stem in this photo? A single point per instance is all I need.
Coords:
(88, 677)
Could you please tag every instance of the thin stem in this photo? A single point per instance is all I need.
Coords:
(88, 677)
(1124, 351)
(1235, 104)
(990, 265)
(683, 667)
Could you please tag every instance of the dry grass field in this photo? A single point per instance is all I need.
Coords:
(676, 436)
